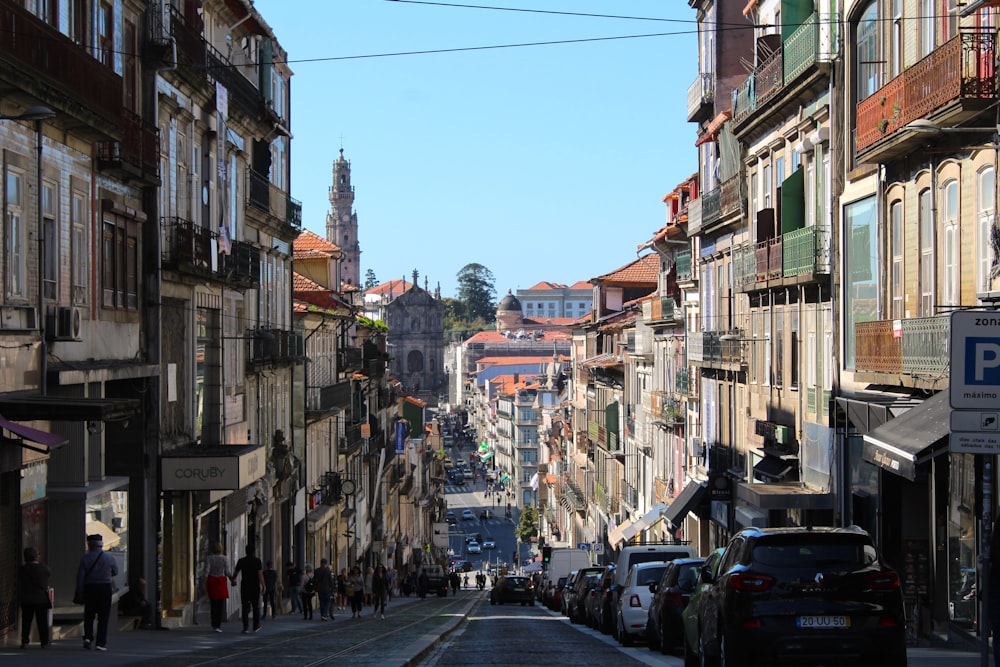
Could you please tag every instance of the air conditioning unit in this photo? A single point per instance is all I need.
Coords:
(18, 318)
(68, 323)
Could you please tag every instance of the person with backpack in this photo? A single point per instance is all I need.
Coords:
(308, 590)
(293, 578)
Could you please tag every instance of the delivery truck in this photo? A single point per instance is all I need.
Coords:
(563, 562)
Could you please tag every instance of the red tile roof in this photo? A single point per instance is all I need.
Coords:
(583, 284)
(311, 244)
(396, 286)
(643, 271)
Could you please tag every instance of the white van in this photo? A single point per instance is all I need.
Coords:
(645, 553)
(564, 561)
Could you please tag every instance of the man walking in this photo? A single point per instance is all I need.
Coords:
(251, 586)
(293, 576)
(324, 587)
(93, 584)
(270, 590)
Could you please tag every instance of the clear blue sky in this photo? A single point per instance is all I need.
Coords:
(538, 162)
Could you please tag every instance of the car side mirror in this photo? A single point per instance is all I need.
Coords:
(652, 588)
(706, 574)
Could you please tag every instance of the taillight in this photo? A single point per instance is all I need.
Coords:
(883, 581)
(634, 601)
(751, 624)
(888, 622)
(673, 598)
(750, 582)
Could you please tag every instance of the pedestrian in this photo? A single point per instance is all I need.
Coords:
(356, 591)
(134, 603)
(380, 590)
(422, 584)
(270, 590)
(93, 586)
(293, 582)
(453, 578)
(34, 598)
(307, 593)
(342, 590)
(251, 587)
(324, 588)
(217, 576)
(393, 582)
(368, 585)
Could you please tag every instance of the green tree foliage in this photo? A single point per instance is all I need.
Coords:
(477, 292)
(370, 279)
(528, 527)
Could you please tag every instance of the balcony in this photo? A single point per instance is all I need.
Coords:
(950, 85)
(51, 69)
(796, 257)
(683, 264)
(191, 49)
(711, 350)
(732, 196)
(682, 382)
(694, 217)
(913, 348)
(663, 308)
(711, 207)
(272, 346)
(279, 209)
(701, 94)
(191, 249)
(136, 156)
(244, 96)
(794, 69)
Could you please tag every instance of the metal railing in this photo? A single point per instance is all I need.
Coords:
(700, 93)
(916, 346)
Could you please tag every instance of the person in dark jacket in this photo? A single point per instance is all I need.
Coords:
(251, 586)
(134, 603)
(34, 598)
(324, 589)
(93, 584)
(270, 590)
(293, 579)
(380, 590)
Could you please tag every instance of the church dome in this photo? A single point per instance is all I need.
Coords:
(509, 302)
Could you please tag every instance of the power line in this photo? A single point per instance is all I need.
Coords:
(543, 11)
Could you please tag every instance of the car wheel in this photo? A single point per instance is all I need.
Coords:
(727, 655)
(652, 641)
(623, 635)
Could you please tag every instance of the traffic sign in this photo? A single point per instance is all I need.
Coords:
(975, 421)
(974, 443)
(975, 360)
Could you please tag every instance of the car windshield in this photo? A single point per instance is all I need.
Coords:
(648, 575)
(516, 581)
(688, 575)
(836, 552)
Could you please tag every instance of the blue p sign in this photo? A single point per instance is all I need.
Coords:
(982, 361)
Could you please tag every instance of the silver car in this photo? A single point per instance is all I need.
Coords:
(633, 603)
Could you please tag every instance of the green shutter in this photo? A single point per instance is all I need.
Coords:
(793, 14)
(415, 415)
(793, 202)
(611, 426)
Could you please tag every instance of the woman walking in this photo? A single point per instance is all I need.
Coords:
(380, 590)
(356, 591)
(342, 600)
(368, 585)
(217, 576)
(34, 599)
(308, 590)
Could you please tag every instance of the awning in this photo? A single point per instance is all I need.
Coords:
(486, 457)
(713, 127)
(772, 469)
(617, 536)
(110, 537)
(689, 498)
(901, 443)
(68, 408)
(650, 518)
(46, 440)
(866, 412)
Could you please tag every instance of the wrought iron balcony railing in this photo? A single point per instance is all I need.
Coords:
(916, 346)
(683, 263)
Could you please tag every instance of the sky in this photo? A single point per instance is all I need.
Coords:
(541, 163)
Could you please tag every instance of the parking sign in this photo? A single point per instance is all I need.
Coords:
(975, 360)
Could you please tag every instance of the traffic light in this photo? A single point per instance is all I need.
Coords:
(546, 555)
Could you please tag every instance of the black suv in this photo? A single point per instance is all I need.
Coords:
(803, 594)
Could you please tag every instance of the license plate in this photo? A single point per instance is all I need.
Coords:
(824, 622)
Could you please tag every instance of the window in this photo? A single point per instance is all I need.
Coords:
(896, 40)
(949, 241)
(78, 246)
(950, 19)
(753, 194)
(119, 262)
(765, 187)
(793, 357)
(106, 33)
(52, 241)
(986, 230)
(16, 235)
(78, 21)
(868, 53)
(925, 225)
(927, 17)
(779, 346)
(860, 270)
(768, 368)
(896, 252)
(130, 70)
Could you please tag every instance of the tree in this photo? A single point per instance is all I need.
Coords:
(528, 527)
(476, 291)
(370, 280)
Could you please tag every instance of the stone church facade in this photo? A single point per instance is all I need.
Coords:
(342, 222)
(416, 340)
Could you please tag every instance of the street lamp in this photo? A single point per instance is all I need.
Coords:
(925, 126)
(38, 114)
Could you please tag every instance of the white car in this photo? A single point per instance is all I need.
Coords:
(474, 548)
(633, 603)
(489, 543)
(467, 515)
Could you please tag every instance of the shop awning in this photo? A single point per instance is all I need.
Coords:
(46, 441)
(110, 537)
(901, 443)
(618, 535)
(650, 518)
(772, 469)
(486, 457)
(689, 498)
(68, 408)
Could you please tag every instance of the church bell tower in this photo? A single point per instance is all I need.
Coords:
(342, 221)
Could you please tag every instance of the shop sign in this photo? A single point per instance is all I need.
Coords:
(208, 473)
(33, 482)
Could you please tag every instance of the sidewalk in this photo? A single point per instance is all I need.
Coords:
(198, 643)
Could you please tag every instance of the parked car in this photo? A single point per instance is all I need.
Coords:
(803, 594)
(467, 515)
(567, 591)
(630, 616)
(586, 579)
(489, 543)
(513, 588)
(645, 553)
(602, 614)
(689, 618)
(474, 537)
(664, 629)
(555, 601)
(474, 548)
